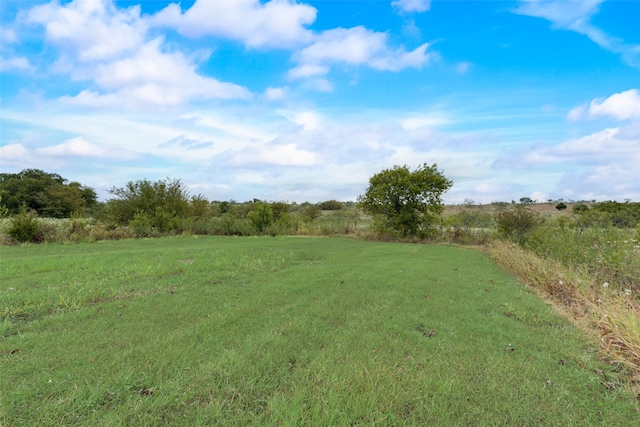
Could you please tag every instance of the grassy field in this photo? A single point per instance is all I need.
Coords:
(287, 331)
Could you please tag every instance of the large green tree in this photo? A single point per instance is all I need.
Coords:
(405, 202)
(48, 194)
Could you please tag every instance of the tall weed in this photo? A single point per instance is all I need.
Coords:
(593, 305)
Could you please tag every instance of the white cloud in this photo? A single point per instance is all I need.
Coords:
(417, 122)
(80, 147)
(12, 152)
(283, 155)
(108, 45)
(576, 16)
(90, 30)
(561, 13)
(356, 46)
(308, 70)
(577, 113)
(16, 63)
(412, 5)
(307, 119)
(622, 106)
(277, 23)
(7, 35)
(538, 196)
(276, 93)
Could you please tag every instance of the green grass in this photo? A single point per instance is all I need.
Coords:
(287, 331)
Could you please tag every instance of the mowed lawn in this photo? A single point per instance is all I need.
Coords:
(288, 332)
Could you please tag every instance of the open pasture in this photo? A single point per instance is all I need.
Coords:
(287, 331)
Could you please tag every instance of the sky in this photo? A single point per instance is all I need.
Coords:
(300, 101)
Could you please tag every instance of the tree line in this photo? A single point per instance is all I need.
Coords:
(399, 203)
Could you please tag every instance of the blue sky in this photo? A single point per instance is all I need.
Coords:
(304, 101)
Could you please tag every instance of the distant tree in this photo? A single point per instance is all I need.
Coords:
(405, 202)
(331, 205)
(162, 199)
(199, 207)
(561, 206)
(280, 210)
(48, 194)
(224, 207)
(260, 216)
(580, 207)
(311, 212)
(526, 200)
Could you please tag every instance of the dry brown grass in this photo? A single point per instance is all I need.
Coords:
(613, 317)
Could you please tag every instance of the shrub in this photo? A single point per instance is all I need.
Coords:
(260, 216)
(24, 226)
(561, 206)
(516, 223)
(331, 205)
(141, 224)
(311, 212)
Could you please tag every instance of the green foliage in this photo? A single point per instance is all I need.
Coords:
(621, 215)
(161, 201)
(280, 210)
(471, 218)
(199, 207)
(516, 223)
(331, 205)
(224, 207)
(610, 213)
(4, 211)
(561, 206)
(260, 216)
(311, 212)
(141, 224)
(579, 208)
(608, 254)
(403, 202)
(24, 226)
(468, 226)
(48, 194)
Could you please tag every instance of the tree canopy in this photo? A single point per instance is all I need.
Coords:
(405, 202)
(165, 198)
(48, 194)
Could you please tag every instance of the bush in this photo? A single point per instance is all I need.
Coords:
(515, 224)
(311, 212)
(260, 216)
(561, 206)
(141, 224)
(24, 226)
(331, 205)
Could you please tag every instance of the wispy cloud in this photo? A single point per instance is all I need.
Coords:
(412, 6)
(575, 15)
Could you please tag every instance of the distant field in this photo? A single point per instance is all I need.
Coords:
(287, 331)
(546, 209)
